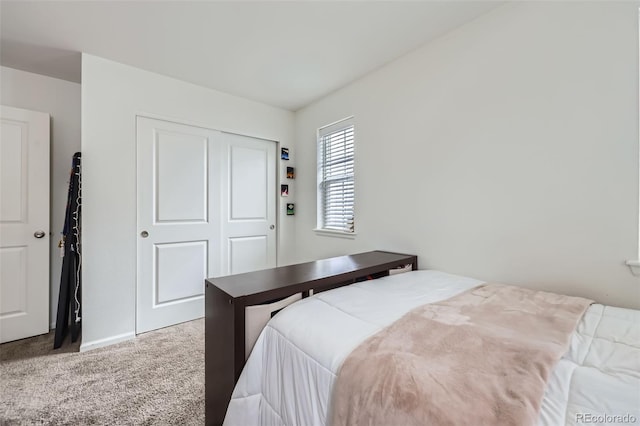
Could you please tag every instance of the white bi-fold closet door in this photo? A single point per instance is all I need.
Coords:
(206, 208)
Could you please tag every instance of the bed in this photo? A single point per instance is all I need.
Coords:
(290, 374)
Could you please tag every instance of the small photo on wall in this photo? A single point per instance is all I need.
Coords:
(291, 173)
(291, 209)
(284, 190)
(284, 153)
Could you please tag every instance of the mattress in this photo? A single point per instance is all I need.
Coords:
(290, 373)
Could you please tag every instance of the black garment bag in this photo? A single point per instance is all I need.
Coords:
(69, 315)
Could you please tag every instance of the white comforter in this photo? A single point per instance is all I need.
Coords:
(290, 373)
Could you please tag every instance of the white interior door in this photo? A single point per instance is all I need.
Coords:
(248, 204)
(184, 191)
(176, 222)
(24, 223)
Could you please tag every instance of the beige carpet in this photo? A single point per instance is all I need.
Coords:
(157, 378)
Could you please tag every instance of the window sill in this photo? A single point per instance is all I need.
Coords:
(337, 234)
(634, 265)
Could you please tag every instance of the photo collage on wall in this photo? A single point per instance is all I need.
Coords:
(284, 188)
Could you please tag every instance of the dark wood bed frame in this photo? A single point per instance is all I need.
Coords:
(227, 297)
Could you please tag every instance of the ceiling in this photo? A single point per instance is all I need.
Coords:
(285, 54)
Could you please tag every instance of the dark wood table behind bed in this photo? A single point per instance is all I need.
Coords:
(227, 297)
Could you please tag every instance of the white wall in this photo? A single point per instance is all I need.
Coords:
(506, 150)
(61, 99)
(112, 95)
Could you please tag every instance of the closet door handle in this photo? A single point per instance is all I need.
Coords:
(39, 234)
(144, 234)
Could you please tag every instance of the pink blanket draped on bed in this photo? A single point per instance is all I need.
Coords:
(480, 358)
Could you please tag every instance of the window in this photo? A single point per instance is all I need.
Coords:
(335, 177)
(634, 264)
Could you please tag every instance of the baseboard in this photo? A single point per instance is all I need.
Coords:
(87, 346)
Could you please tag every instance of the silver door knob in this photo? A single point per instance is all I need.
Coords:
(39, 234)
(272, 227)
(144, 234)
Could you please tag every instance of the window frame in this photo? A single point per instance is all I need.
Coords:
(634, 264)
(321, 133)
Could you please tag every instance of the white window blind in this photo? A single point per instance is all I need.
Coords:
(336, 183)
